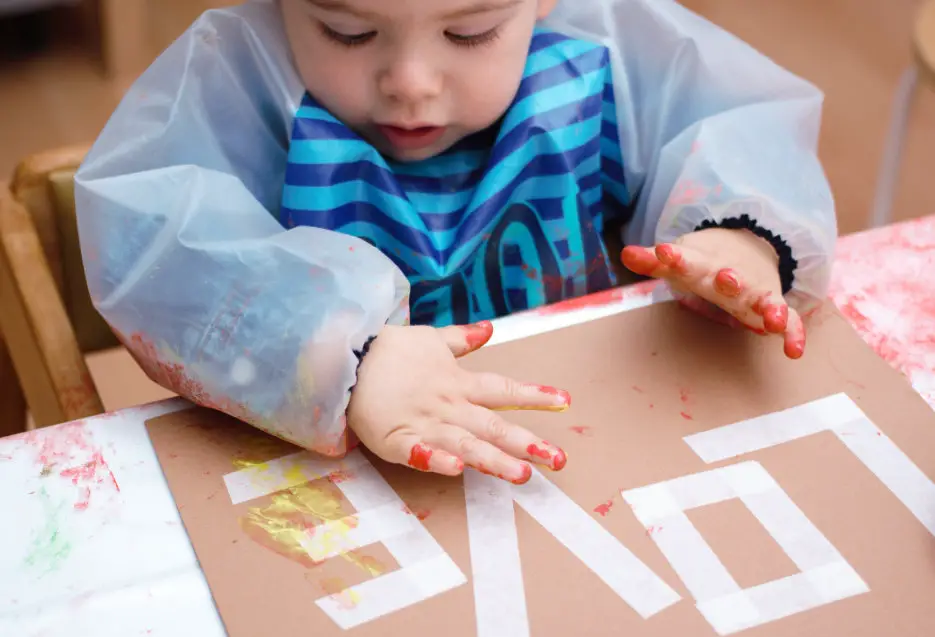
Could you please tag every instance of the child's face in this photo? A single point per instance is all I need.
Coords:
(413, 77)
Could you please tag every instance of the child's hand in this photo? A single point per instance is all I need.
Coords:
(414, 405)
(734, 270)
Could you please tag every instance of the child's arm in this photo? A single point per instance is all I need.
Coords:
(714, 134)
(187, 263)
(218, 302)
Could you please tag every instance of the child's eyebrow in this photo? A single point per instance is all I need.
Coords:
(484, 6)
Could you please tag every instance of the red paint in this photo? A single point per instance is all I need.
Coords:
(551, 391)
(84, 500)
(669, 255)
(686, 416)
(536, 452)
(340, 476)
(640, 260)
(421, 514)
(653, 530)
(600, 299)
(795, 339)
(684, 396)
(581, 430)
(420, 456)
(525, 475)
(728, 283)
(776, 318)
(604, 509)
(477, 335)
(559, 460)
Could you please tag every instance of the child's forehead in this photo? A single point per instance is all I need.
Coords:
(440, 9)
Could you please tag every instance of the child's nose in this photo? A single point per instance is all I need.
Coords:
(411, 80)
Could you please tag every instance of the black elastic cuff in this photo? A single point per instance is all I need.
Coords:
(363, 352)
(787, 263)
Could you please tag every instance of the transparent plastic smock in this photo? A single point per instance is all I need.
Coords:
(179, 202)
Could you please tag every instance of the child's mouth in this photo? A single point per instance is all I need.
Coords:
(411, 138)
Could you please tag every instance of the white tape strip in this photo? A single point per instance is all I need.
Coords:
(826, 577)
(284, 473)
(392, 592)
(842, 416)
(774, 429)
(580, 533)
(425, 570)
(499, 592)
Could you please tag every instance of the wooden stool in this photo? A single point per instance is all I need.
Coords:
(922, 69)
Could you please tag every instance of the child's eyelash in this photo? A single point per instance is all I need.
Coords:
(480, 39)
(343, 39)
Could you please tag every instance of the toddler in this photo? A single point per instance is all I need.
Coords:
(305, 211)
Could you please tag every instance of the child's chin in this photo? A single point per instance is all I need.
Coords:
(417, 154)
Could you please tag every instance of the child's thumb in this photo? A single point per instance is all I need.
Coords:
(464, 339)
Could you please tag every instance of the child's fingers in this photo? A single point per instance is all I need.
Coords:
(499, 392)
(512, 439)
(479, 454)
(728, 283)
(795, 336)
(410, 450)
(464, 339)
(643, 261)
(685, 264)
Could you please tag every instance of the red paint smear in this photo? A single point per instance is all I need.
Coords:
(552, 391)
(684, 396)
(559, 461)
(604, 509)
(581, 430)
(728, 283)
(653, 530)
(421, 514)
(420, 456)
(776, 318)
(96, 471)
(686, 416)
(536, 452)
(523, 479)
(477, 335)
(340, 476)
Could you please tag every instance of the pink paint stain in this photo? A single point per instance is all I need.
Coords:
(604, 509)
(882, 284)
(94, 472)
(686, 416)
(581, 430)
(685, 398)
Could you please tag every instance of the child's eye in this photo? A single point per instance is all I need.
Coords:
(478, 39)
(345, 39)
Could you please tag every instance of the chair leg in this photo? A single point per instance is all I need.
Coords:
(13, 410)
(893, 150)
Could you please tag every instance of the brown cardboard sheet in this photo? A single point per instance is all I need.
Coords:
(641, 382)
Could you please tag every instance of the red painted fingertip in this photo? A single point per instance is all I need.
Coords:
(761, 305)
(669, 255)
(640, 260)
(535, 451)
(795, 339)
(559, 460)
(776, 318)
(477, 335)
(728, 283)
(420, 456)
(525, 475)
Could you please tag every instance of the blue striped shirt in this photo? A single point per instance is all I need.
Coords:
(507, 220)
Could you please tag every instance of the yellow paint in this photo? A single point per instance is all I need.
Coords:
(305, 524)
(556, 409)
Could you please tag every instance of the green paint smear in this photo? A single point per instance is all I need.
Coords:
(49, 548)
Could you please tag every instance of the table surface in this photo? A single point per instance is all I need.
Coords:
(93, 542)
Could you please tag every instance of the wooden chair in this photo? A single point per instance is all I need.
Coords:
(922, 71)
(47, 318)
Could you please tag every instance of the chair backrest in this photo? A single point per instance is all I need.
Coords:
(45, 185)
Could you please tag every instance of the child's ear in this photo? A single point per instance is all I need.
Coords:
(545, 8)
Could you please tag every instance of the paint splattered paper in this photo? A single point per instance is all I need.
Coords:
(713, 488)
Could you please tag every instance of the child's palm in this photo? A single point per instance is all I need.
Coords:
(728, 275)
